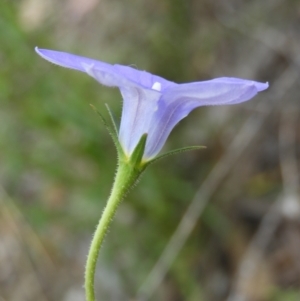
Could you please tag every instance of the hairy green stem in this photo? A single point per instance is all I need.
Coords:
(125, 178)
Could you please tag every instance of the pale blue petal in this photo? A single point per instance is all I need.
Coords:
(177, 102)
(144, 78)
(258, 85)
(139, 106)
(107, 74)
(68, 60)
(217, 91)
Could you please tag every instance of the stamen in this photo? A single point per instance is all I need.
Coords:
(156, 86)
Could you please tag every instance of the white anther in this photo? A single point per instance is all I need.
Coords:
(156, 86)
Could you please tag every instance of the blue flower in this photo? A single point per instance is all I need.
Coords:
(152, 104)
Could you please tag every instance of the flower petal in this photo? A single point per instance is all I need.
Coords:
(139, 106)
(177, 102)
(144, 78)
(218, 91)
(107, 74)
(68, 60)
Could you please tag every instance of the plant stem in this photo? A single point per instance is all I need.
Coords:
(125, 178)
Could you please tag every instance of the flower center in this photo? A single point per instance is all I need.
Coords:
(156, 86)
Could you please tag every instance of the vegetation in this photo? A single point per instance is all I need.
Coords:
(240, 195)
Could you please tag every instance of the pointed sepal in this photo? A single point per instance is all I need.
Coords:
(112, 119)
(112, 130)
(174, 152)
(137, 155)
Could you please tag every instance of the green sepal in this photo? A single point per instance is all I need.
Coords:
(112, 130)
(112, 118)
(136, 157)
(174, 152)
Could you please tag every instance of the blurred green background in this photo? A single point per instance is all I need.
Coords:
(236, 203)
